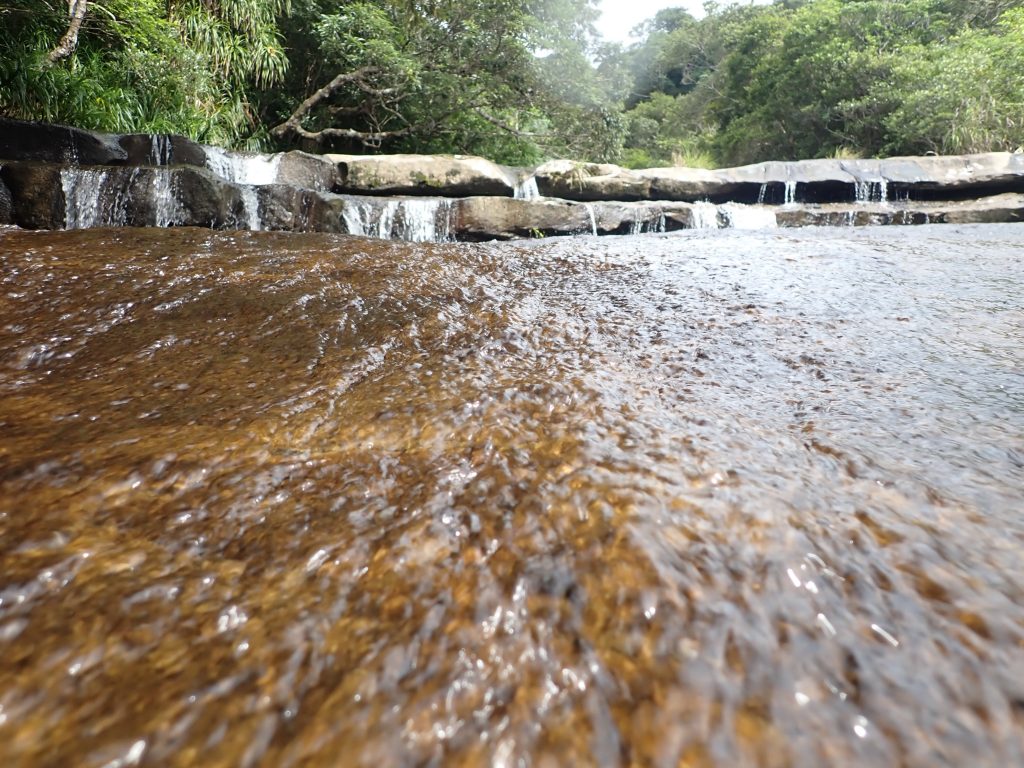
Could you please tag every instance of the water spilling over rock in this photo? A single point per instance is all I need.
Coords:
(277, 499)
(57, 177)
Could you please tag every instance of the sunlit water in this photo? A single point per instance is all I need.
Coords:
(699, 499)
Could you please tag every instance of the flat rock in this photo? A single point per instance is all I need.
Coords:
(432, 175)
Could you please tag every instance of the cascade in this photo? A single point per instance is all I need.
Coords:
(242, 169)
(527, 189)
(738, 216)
(82, 189)
(356, 216)
(872, 191)
(161, 150)
(251, 205)
(166, 211)
(790, 198)
(654, 222)
(705, 215)
(427, 220)
(761, 194)
(418, 221)
(593, 218)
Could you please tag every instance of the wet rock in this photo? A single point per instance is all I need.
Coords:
(291, 209)
(37, 200)
(6, 205)
(302, 169)
(491, 218)
(482, 218)
(161, 149)
(433, 175)
(22, 140)
(637, 218)
(50, 196)
(1005, 208)
(820, 181)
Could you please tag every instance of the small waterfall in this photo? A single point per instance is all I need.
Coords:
(705, 215)
(166, 213)
(738, 216)
(242, 169)
(593, 218)
(161, 150)
(82, 197)
(790, 198)
(251, 204)
(654, 222)
(762, 193)
(872, 191)
(427, 220)
(527, 189)
(356, 216)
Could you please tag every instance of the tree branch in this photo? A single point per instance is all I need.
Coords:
(508, 128)
(293, 125)
(68, 43)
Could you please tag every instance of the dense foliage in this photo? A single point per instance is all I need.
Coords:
(814, 78)
(518, 80)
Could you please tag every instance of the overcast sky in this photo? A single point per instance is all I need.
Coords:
(618, 17)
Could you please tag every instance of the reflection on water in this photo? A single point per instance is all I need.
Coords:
(305, 500)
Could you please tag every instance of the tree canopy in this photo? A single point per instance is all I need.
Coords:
(521, 80)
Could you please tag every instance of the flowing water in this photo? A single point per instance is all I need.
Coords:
(710, 498)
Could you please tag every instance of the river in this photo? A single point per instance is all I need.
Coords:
(707, 498)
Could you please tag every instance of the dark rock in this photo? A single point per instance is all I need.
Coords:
(42, 142)
(161, 149)
(292, 209)
(6, 204)
(37, 198)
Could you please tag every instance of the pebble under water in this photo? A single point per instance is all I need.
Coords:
(727, 498)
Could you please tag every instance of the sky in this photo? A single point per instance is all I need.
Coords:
(618, 17)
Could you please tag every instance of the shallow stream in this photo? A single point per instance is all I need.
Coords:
(708, 498)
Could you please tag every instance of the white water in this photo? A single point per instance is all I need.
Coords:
(427, 220)
(705, 216)
(414, 220)
(654, 222)
(593, 218)
(872, 191)
(790, 198)
(242, 169)
(82, 190)
(527, 189)
(738, 216)
(161, 150)
(251, 205)
(166, 212)
(761, 194)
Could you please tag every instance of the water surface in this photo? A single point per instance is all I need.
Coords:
(698, 499)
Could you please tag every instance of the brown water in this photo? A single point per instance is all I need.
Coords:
(726, 499)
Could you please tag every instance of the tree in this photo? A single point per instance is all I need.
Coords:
(492, 75)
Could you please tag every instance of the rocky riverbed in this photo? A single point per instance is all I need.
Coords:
(741, 498)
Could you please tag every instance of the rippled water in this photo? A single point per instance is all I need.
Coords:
(728, 498)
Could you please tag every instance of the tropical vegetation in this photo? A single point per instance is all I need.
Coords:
(521, 80)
